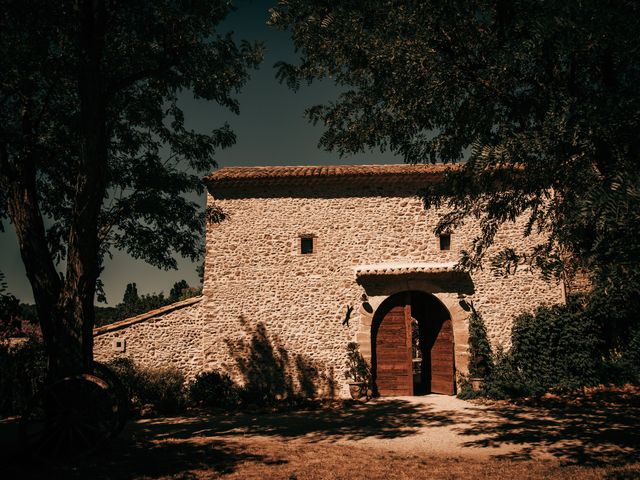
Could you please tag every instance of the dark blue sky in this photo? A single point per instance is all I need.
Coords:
(271, 130)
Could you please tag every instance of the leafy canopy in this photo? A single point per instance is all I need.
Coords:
(153, 53)
(541, 98)
(95, 153)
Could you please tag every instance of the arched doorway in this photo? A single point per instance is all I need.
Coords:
(412, 346)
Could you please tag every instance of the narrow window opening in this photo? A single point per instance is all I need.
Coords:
(306, 245)
(445, 241)
(119, 344)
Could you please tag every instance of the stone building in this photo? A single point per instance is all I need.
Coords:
(312, 258)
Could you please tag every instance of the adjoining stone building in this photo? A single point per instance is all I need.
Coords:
(311, 258)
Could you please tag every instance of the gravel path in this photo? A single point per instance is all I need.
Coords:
(598, 434)
(452, 427)
(595, 432)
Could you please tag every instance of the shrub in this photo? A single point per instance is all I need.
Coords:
(129, 375)
(160, 388)
(213, 389)
(23, 369)
(261, 394)
(164, 389)
(624, 367)
(506, 379)
(556, 348)
(357, 369)
(480, 354)
(465, 389)
(632, 354)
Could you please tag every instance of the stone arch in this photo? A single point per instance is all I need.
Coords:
(453, 301)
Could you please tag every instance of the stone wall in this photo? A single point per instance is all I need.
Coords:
(254, 270)
(167, 337)
(258, 283)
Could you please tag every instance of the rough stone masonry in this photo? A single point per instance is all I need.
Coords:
(302, 245)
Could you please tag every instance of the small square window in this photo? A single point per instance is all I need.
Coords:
(119, 344)
(445, 241)
(306, 245)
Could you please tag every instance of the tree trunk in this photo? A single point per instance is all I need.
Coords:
(65, 309)
(83, 248)
(63, 343)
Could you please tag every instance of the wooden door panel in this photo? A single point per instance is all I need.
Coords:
(393, 364)
(442, 360)
(393, 350)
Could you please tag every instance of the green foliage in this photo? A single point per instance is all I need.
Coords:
(130, 296)
(9, 311)
(200, 272)
(357, 369)
(481, 358)
(28, 312)
(153, 157)
(133, 304)
(129, 375)
(177, 290)
(145, 303)
(562, 348)
(163, 388)
(632, 352)
(106, 315)
(480, 354)
(615, 311)
(22, 372)
(465, 390)
(214, 389)
(540, 98)
(160, 389)
(557, 348)
(181, 291)
(508, 380)
(95, 150)
(624, 366)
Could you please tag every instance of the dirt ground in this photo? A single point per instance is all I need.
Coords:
(597, 436)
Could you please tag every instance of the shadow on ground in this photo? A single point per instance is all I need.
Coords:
(133, 456)
(386, 419)
(165, 447)
(601, 430)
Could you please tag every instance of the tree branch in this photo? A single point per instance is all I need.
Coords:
(143, 74)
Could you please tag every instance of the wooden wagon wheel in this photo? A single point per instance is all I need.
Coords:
(70, 417)
(119, 393)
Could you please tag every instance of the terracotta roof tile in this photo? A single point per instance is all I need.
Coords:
(145, 316)
(242, 175)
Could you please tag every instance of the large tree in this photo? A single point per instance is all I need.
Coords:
(94, 151)
(540, 100)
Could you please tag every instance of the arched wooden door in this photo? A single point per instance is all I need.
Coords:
(392, 342)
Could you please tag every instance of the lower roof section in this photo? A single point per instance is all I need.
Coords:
(145, 316)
